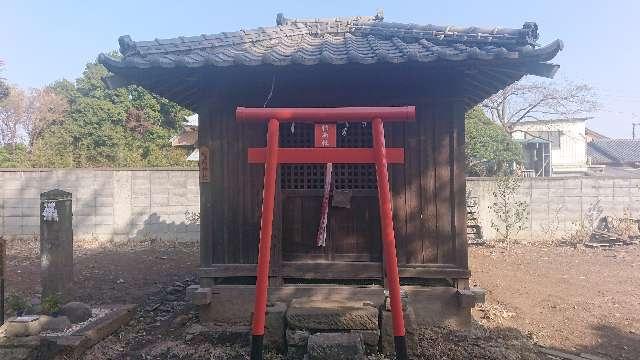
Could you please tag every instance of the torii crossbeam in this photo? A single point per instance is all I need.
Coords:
(324, 153)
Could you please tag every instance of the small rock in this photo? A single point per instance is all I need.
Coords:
(297, 337)
(180, 321)
(172, 290)
(296, 352)
(152, 307)
(195, 329)
(77, 312)
(120, 281)
(50, 323)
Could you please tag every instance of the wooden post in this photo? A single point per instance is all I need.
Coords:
(56, 244)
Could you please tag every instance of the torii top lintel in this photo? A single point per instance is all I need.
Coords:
(324, 116)
(327, 115)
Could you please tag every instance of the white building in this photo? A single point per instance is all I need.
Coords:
(553, 147)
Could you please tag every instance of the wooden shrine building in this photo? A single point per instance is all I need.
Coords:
(359, 61)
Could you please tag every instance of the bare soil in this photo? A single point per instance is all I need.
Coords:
(111, 274)
(578, 300)
(572, 299)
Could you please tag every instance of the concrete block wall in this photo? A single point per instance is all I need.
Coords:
(558, 207)
(120, 204)
(108, 204)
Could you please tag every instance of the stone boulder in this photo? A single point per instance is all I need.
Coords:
(77, 312)
(335, 346)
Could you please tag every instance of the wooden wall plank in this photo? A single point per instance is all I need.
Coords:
(206, 215)
(257, 137)
(428, 218)
(216, 186)
(395, 135)
(443, 161)
(459, 189)
(426, 190)
(233, 163)
(413, 192)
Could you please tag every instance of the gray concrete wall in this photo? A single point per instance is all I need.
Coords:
(558, 207)
(117, 204)
(108, 204)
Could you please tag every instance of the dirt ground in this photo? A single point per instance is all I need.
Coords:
(116, 274)
(574, 300)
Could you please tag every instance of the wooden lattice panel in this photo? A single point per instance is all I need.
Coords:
(296, 135)
(355, 135)
(354, 177)
(311, 176)
(301, 176)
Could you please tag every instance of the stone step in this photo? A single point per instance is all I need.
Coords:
(335, 346)
(321, 315)
(297, 341)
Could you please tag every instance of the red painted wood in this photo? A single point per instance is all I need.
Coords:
(266, 227)
(325, 155)
(325, 136)
(388, 236)
(327, 115)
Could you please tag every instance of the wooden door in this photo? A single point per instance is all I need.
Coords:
(353, 232)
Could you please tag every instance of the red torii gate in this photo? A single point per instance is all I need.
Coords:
(273, 155)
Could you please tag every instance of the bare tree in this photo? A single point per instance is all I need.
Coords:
(23, 116)
(11, 116)
(43, 108)
(536, 101)
(4, 87)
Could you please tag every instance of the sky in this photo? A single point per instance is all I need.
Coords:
(43, 41)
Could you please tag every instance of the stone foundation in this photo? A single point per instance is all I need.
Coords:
(298, 313)
(431, 305)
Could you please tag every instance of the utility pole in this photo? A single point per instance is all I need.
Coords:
(633, 130)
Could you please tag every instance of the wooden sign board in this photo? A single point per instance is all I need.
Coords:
(203, 163)
(325, 135)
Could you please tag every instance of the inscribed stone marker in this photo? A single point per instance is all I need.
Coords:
(56, 244)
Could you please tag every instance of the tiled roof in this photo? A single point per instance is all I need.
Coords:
(618, 151)
(363, 40)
